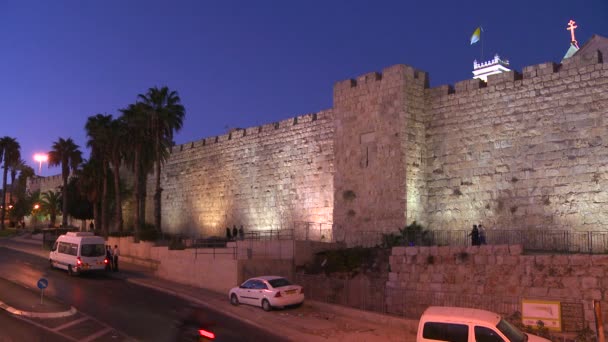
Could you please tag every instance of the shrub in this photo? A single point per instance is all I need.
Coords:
(412, 235)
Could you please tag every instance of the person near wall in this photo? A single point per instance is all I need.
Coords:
(482, 235)
(91, 226)
(228, 235)
(109, 258)
(241, 233)
(474, 236)
(115, 255)
(234, 232)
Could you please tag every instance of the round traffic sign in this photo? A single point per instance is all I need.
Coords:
(42, 283)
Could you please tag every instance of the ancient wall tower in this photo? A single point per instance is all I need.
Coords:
(378, 144)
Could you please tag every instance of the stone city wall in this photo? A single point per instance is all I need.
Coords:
(261, 177)
(522, 151)
(494, 278)
(44, 184)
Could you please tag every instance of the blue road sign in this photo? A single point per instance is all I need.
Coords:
(43, 283)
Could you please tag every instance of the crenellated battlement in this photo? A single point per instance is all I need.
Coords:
(390, 76)
(240, 133)
(567, 68)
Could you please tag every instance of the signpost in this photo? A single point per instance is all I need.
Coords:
(42, 284)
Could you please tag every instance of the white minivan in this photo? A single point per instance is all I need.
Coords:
(79, 252)
(442, 323)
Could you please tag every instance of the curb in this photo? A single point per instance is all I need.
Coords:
(211, 307)
(31, 314)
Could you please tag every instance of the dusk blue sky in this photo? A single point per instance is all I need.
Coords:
(246, 63)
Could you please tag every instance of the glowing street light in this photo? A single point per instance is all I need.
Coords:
(40, 157)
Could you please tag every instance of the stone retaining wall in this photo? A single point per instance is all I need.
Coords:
(494, 277)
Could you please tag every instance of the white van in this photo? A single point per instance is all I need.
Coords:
(79, 252)
(442, 323)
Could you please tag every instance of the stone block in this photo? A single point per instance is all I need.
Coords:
(589, 283)
(592, 294)
(571, 282)
(511, 260)
(600, 260)
(393, 277)
(411, 250)
(544, 260)
(500, 249)
(480, 259)
(424, 251)
(485, 250)
(579, 260)
(516, 249)
(560, 260)
(398, 250)
(537, 292)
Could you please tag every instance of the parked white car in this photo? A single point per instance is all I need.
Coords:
(267, 292)
(442, 323)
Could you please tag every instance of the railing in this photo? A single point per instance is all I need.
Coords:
(270, 234)
(215, 251)
(561, 241)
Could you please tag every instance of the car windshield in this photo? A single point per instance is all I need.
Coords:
(279, 282)
(91, 250)
(511, 332)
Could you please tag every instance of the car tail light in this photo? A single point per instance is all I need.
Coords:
(105, 261)
(78, 261)
(301, 290)
(278, 295)
(207, 334)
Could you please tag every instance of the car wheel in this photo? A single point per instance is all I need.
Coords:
(234, 300)
(70, 270)
(266, 305)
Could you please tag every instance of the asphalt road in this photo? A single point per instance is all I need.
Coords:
(15, 329)
(106, 303)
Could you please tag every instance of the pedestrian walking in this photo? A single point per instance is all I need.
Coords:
(474, 236)
(228, 235)
(109, 258)
(234, 232)
(241, 233)
(482, 235)
(115, 255)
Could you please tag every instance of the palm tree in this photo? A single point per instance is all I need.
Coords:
(22, 204)
(66, 154)
(9, 153)
(15, 167)
(166, 115)
(90, 185)
(117, 136)
(49, 203)
(98, 131)
(138, 157)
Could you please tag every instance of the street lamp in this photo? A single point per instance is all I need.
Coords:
(40, 157)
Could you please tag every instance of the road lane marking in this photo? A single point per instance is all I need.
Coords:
(69, 324)
(97, 334)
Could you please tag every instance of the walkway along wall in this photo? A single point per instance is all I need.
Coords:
(495, 278)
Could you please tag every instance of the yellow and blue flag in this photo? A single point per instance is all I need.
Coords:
(476, 35)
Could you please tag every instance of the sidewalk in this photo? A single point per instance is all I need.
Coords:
(313, 321)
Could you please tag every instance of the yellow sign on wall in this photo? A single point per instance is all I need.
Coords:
(549, 312)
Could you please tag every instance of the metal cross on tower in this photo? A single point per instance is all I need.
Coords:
(571, 27)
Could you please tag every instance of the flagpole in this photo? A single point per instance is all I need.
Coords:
(480, 38)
